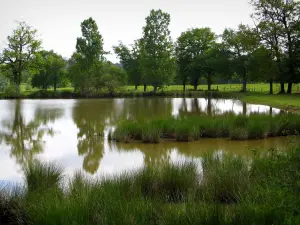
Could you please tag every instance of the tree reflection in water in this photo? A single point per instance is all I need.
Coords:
(92, 117)
(25, 139)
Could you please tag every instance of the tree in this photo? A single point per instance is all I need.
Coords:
(270, 33)
(113, 78)
(131, 61)
(50, 69)
(21, 47)
(213, 61)
(241, 42)
(157, 50)
(285, 17)
(263, 67)
(191, 47)
(184, 57)
(89, 53)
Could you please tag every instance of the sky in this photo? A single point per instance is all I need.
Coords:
(58, 21)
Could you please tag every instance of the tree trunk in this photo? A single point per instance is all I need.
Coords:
(54, 84)
(17, 89)
(145, 87)
(282, 89)
(15, 74)
(290, 86)
(209, 82)
(155, 88)
(244, 89)
(136, 87)
(271, 87)
(184, 86)
(271, 111)
(244, 108)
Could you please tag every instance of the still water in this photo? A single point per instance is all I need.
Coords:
(68, 132)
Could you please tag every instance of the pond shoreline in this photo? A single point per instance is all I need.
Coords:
(281, 101)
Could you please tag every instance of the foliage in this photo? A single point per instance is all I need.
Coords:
(113, 78)
(278, 23)
(241, 43)
(50, 69)
(88, 58)
(131, 62)
(22, 45)
(157, 50)
(191, 47)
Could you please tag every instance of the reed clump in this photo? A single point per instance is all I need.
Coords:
(187, 129)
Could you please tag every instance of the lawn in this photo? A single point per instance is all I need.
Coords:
(257, 87)
(257, 93)
(287, 102)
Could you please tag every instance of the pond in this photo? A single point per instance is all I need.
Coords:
(69, 133)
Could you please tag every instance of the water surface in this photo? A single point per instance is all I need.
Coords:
(69, 132)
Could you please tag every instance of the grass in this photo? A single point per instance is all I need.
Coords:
(287, 102)
(51, 173)
(187, 129)
(257, 93)
(226, 190)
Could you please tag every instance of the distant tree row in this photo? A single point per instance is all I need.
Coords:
(269, 52)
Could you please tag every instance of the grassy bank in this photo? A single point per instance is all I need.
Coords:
(236, 127)
(226, 190)
(258, 94)
(286, 102)
(123, 93)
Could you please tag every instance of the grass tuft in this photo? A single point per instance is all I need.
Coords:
(39, 177)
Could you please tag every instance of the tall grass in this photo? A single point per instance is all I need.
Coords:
(225, 179)
(227, 190)
(236, 127)
(42, 176)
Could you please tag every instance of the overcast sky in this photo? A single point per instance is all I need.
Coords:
(58, 21)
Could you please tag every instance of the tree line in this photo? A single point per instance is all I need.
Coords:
(268, 51)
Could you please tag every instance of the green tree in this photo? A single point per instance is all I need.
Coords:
(131, 62)
(191, 48)
(21, 47)
(157, 50)
(113, 78)
(214, 61)
(89, 54)
(270, 33)
(285, 17)
(50, 69)
(241, 42)
(263, 67)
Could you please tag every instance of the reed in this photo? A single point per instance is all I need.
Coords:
(221, 189)
(235, 127)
